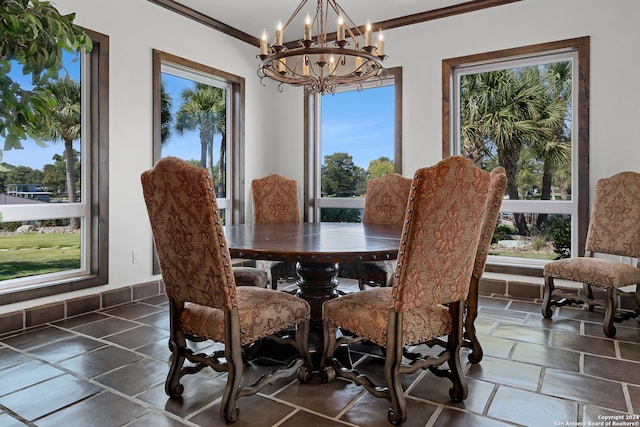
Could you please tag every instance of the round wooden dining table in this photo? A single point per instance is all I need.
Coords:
(317, 248)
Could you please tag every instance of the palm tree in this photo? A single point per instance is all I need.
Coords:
(165, 114)
(204, 108)
(63, 123)
(499, 118)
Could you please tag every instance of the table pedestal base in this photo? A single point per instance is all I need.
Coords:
(318, 282)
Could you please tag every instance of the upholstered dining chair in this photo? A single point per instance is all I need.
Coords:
(440, 237)
(614, 233)
(205, 302)
(489, 220)
(275, 200)
(385, 203)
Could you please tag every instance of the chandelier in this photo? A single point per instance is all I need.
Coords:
(326, 61)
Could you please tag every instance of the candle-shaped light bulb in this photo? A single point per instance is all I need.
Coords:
(332, 65)
(305, 66)
(340, 31)
(282, 65)
(264, 47)
(367, 35)
(279, 35)
(307, 28)
(380, 44)
(358, 62)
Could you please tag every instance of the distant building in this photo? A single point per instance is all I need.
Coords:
(25, 193)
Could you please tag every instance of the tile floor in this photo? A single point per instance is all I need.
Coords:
(107, 368)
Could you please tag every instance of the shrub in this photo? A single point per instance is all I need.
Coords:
(559, 229)
(501, 231)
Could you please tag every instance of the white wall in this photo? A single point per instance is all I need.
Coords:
(274, 123)
(612, 27)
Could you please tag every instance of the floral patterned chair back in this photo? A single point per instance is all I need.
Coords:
(385, 204)
(386, 200)
(275, 199)
(614, 226)
(189, 238)
(441, 234)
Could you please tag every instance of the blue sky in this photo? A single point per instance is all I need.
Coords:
(32, 155)
(357, 122)
(186, 146)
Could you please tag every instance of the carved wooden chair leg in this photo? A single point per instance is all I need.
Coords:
(610, 314)
(397, 414)
(546, 301)
(588, 292)
(228, 410)
(172, 386)
(326, 370)
(458, 391)
(469, 325)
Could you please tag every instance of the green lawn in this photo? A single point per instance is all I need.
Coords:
(30, 254)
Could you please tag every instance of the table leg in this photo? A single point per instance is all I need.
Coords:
(318, 282)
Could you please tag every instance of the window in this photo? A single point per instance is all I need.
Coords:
(353, 135)
(526, 110)
(55, 196)
(197, 117)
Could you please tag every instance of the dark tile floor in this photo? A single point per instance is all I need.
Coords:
(107, 368)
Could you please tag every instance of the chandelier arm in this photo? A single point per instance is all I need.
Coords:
(294, 14)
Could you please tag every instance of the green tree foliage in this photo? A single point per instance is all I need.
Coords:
(55, 174)
(166, 118)
(340, 176)
(33, 34)
(340, 215)
(559, 231)
(23, 175)
(379, 167)
(204, 108)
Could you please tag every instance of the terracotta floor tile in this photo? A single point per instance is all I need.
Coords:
(66, 348)
(531, 409)
(50, 395)
(507, 372)
(135, 377)
(612, 369)
(104, 409)
(372, 412)
(133, 310)
(25, 375)
(602, 347)
(451, 417)
(138, 336)
(547, 356)
(111, 367)
(521, 333)
(596, 391)
(327, 399)
(100, 361)
(254, 410)
(36, 337)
